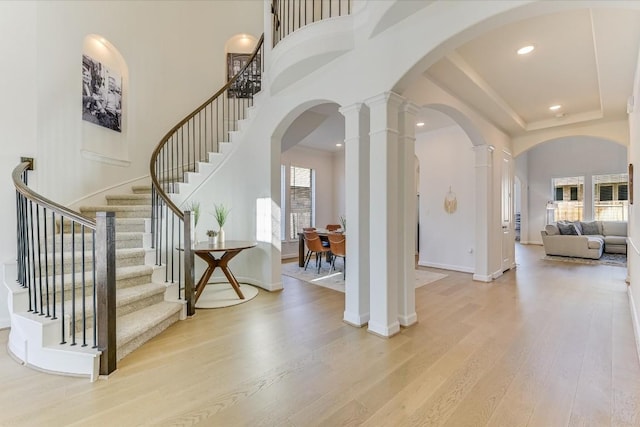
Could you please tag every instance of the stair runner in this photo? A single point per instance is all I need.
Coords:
(141, 309)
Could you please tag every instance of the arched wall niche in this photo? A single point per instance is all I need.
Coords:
(240, 43)
(100, 143)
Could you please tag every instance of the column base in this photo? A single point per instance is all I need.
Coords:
(408, 320)
(384, 331)
(354, 319)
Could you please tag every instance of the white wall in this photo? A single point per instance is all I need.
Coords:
(577, 156)
(633, 252)
(17, 115)
(339, 184)
(446, 160)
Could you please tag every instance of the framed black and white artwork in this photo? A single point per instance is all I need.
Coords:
(101, 94)
(248, 83)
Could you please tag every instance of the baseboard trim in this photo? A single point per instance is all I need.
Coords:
(459, 268)
(354, 319)
(634, 321)
(483, 277)
(114, 187)
(384, 331)
(408, 320)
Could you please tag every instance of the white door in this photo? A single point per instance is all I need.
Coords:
(508, 232)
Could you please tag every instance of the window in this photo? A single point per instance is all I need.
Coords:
(623, 192)
(302, 191)
(559, 194)
(610, 197)
(568, 193)
(574, 193)
(606, 193)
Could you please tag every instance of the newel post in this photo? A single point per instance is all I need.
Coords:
(189, 294)
(105, 265)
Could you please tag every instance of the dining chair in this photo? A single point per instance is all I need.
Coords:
(314, 245)
(338, 245)
(333, 227)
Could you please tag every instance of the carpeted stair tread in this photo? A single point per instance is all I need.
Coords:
(133, 293)
(124, 257)
(124, 240)
(121, 211)
(125, 277)
(127, 225)
(124, 297)
(141, 189)
(129, 199)
(136, 328)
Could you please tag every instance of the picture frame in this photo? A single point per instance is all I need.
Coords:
(248, 83)
(101, 94)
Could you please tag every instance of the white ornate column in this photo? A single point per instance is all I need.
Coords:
(484, 202)
(385, 233)
(356, 310)
(407, 192)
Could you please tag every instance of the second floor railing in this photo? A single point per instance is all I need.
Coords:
(66, 263)
(189, 142)
(290, 15)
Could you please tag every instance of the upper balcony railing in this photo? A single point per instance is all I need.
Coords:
(290, 15)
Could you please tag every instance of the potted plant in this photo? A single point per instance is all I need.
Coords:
(194, 207)
(221, 213)
(343, 222)
(212, 234)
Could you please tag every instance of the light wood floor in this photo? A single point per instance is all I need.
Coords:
(549, 344)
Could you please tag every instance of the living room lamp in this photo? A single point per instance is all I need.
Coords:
(551, 208)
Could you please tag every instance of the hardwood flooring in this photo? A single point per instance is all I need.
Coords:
(548, 344)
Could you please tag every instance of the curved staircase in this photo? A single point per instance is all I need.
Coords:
(143, 307)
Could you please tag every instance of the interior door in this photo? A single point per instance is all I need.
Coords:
(508, 230)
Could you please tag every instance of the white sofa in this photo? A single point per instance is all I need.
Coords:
(590, 240)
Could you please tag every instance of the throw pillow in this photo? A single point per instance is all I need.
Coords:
(578, 227)
(590, 228)
(551, 230)
(567, 228)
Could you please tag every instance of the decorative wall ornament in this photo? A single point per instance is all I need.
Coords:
(450, 202)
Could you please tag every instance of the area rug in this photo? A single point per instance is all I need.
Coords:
(334, 279)
(619, 260)
(218, 295)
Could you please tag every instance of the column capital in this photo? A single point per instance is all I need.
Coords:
(385, 98)
(484, 155)
(353, 108)
(410, 108)
(484, 147)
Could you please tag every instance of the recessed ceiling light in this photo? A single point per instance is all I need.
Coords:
(525, 49)
(555, 107)
(338, 145)
(420, 124)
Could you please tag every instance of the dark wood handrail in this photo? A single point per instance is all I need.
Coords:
(168, 135)
(42, 253)
(22, 188)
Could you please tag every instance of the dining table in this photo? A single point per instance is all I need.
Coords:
(323, 233)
